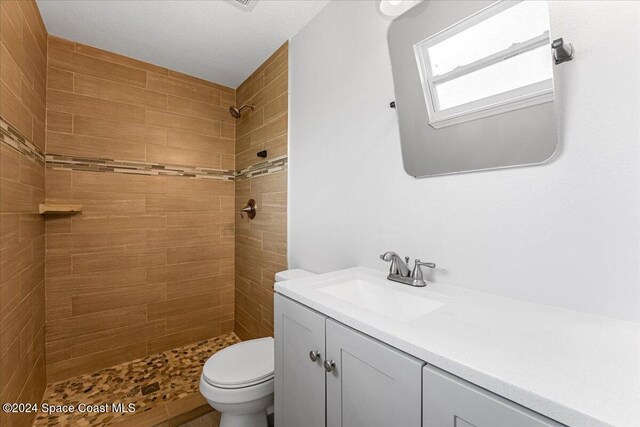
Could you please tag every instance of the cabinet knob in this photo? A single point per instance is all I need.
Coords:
(329, 365)
(314, 355)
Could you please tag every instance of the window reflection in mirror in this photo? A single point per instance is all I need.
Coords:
(474, 85)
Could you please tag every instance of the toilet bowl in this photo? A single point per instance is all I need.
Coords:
(238, 382)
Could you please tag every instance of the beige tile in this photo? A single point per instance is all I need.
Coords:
(186, 203)
(185, 271)
(271, 183)
(16, 197)
(60, 43)
(189, 107)
(266, 133)
(183, 88)
(118, 258)
(94, 282)
(203, 187)
(215, 88)
(274, 202)
(59, 122)
(33, 102)
(59, 79)
(276, 107)
(198, 253)
(89, 363)
(95, 322)
(200, 318)
(10, 72)
(275, 242)
(93, 242)
(181, 156)
(111, 91)
(190, 141)
(9, 163)
(91, 66)
(200, 285)
(173, 307)
(118, 59)
(181, 338)
(97, 127)
(127, 335)
(112, 299)
(58, 265)
(164, 238)
(31, 226)
(67, 102)
(275, 88)
(9, 230)
(111, 224)
(12, 109)
(115, 183)
(250, 122)
(31, 173)
(198, 219)
(185, 123)
(278, 66)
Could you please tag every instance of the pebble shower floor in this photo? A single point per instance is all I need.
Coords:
(148, 383)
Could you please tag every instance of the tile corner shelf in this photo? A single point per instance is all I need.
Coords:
(59, 209)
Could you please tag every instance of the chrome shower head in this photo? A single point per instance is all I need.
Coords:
(236, 112)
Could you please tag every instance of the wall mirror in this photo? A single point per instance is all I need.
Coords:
(473, 85)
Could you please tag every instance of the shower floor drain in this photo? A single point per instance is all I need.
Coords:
(150, 388)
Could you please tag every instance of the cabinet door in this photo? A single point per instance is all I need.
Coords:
(452, 402)
(371, 383)
(299, 382)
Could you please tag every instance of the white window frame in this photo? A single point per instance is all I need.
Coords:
(522, 97)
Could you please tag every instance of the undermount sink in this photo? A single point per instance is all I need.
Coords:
(385, 299)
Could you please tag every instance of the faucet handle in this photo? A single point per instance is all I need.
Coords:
(417, 271)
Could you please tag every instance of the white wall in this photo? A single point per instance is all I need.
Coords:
(566, 233)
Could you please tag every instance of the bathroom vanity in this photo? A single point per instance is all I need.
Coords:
(354, 349)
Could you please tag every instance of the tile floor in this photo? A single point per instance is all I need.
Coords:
(163, 386)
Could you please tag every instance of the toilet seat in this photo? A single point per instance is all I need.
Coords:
(241, 365)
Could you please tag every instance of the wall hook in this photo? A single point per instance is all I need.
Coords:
(392, 104)
(562, 52)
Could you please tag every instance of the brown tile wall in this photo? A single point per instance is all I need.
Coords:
(261, 244)
(149, 263)
(23, 51)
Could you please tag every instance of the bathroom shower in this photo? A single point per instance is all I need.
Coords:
(236, 112)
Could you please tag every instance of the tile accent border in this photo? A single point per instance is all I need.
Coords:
(12, 138)
(267, 167)
(97, 164)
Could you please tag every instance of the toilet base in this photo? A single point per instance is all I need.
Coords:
(257, 419)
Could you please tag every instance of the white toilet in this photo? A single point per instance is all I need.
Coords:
(238, 380)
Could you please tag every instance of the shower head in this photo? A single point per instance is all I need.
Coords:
(236, 112)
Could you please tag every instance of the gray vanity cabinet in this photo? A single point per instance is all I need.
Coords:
(449, 401)
(299, 381)
(370, 383)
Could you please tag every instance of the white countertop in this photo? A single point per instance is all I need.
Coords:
(578, 369)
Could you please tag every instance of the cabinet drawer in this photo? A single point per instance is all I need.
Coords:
(449, 401)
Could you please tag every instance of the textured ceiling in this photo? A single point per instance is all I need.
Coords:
(217, 40)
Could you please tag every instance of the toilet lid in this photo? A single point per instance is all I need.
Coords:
(243, 364)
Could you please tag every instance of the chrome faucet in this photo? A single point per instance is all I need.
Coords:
(399, 272)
